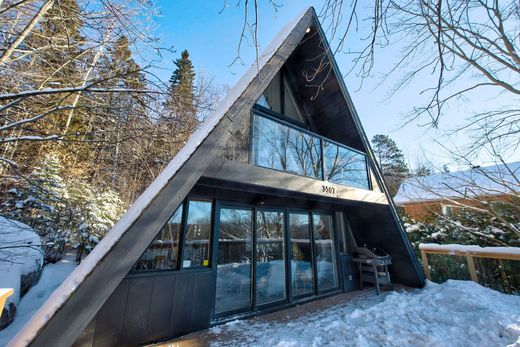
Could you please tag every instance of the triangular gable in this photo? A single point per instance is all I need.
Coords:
(73, 305)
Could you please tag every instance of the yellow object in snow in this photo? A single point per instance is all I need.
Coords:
(4, 294)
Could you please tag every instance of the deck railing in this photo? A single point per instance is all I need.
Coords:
(494, 267)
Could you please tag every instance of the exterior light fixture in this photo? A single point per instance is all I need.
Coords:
(308, 30)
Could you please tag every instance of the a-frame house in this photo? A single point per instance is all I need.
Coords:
(259, 211)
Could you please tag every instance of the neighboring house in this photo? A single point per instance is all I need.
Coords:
(260, 211)
(447, 193)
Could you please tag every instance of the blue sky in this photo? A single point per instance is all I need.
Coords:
(212, 36)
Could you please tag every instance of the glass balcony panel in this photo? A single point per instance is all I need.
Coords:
(303, 154)
(285, 148)
(345, 166)
(280, 147)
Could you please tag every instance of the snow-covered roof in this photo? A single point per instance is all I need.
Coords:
(60, 296)
(482, 181)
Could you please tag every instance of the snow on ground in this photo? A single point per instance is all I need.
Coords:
(455, 313)
(52, 277)
(20, 254)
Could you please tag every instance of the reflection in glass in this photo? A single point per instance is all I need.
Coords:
(290, 106)
(162, 253)
(277, 146)
(301, 254)
(197, 235)
(271, 97)
(325, 251)
(235, 253)
(270, 263)
(344, 166)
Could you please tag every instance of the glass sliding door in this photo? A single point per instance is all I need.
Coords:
(302, 275)
(234, 264)
(325, 251)
(270, 257)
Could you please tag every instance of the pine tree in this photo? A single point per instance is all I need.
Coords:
(422, 171)
(391, 160)
(180, 101)
(179, 117)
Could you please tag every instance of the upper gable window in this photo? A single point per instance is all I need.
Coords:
(279, 98)
(271, 98)
(291, 108)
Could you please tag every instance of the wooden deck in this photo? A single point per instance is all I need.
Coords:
(222, 335)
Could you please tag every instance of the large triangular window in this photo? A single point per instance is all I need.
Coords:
(279, 97)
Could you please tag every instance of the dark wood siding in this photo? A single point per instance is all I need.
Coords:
(374, 225)
(327, 110)
(151, 308)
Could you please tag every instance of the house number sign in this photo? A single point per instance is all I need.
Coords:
(328, 189)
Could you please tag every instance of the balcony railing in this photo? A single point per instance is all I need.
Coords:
(280, 146)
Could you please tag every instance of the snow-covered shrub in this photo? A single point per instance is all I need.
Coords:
(468, 227)
(95, 211)
(62, 211)
(21, 261)
(38, 199)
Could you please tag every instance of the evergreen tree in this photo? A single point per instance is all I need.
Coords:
(179, 117)
(180, 101)
(62, 211)
(422, 171)
(391, 160)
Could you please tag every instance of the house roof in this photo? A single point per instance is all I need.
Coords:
(482, 181)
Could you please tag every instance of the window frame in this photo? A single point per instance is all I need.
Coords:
(287, 294)
(284, 82)
(210, 239)
(335, 252)
(180, 252)
(134, 272)
(220, 204)
(314, 291)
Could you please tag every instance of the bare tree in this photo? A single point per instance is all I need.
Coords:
(53, 74)
(467, 47)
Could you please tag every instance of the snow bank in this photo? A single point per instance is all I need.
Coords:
(52, 276)
(455, 313)
(470, 248)
(20, 254)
